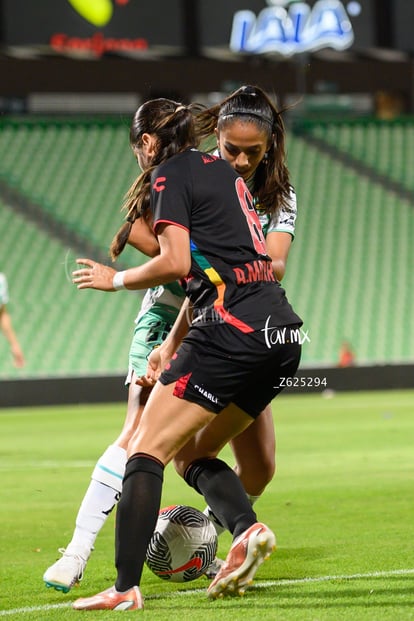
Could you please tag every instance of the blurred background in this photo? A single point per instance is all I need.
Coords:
(73, 72)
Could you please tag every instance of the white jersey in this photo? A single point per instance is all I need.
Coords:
(4, 292)
(284, 222)
(171, 295)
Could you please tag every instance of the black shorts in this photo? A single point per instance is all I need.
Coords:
(217, 365)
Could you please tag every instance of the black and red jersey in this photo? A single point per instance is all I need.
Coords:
(231, 277)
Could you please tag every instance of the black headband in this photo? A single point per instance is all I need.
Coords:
(244, 113)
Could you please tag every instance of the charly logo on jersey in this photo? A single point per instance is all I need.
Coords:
(275, 335)
(208, 395)
(159, 184)
(289, 27)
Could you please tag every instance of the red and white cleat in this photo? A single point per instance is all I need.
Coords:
(246, 554)
(111, 599)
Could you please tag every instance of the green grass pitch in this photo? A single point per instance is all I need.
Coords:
(341, 504)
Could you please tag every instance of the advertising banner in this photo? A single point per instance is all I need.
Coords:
(285, 27)
(94, 26)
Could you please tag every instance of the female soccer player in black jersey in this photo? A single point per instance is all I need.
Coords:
(236, 350)
(251, 137)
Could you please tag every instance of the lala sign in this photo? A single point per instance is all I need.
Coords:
(288, 32)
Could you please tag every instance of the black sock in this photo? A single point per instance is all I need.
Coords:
(224, 493)
(137, 515)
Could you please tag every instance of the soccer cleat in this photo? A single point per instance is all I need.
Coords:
(67, 571)
(247, 553)
(111, 599)
(214, 568)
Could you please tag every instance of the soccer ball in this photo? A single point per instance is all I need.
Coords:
(183, 545)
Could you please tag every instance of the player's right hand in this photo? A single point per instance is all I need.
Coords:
(157, 361)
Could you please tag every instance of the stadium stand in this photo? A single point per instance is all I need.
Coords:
(62, 330)
(386, 147)
(77, 171)
(61, 188)
(350, 272)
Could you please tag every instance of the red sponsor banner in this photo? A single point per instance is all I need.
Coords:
(96, 27)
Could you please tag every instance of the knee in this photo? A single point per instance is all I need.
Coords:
(184, 458)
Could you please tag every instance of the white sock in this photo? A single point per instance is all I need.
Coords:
(100, 498)
(219, 527)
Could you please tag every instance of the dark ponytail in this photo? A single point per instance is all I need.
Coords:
(172, 124)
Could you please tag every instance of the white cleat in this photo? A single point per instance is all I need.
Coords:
(67, 571)
(247, 553)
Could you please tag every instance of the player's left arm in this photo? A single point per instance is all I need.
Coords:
(280, 235)
(173, 263)
(278, 245)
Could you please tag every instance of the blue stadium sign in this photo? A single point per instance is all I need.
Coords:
(294, 30)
